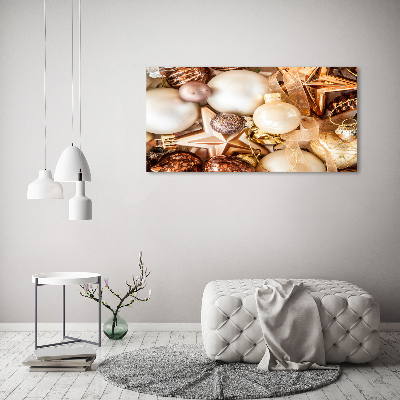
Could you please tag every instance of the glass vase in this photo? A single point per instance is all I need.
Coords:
(115, 327)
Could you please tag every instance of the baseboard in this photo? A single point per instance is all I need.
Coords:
(390, 327)
(92, 327)
(138, 327)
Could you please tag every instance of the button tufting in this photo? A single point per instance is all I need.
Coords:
(331, 296)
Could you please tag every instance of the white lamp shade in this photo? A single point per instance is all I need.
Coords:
(80, 206)
(44, 187)
(71, 161)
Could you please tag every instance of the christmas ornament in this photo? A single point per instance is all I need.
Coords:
(178, 161)
(256, 135)
(344, 72)
(249, 159)
(317, 82)
(149, 138)
(344, 154)
(238, 91)
(223, 69)
(226, 164)
(350, 169)
(347, 132)
(347, 129)
(154, 72)
(216, 143)
(278, 162)
(149, 81)
(178, 76)
(152, 157)
(344, 103)
(352, 70)
(167, 113)
(195, 92)
(227, 123)
(255, 148)
(276, 116)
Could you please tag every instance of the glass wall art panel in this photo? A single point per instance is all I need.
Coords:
(251, 119)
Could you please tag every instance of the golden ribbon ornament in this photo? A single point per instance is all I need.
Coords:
(309, 127)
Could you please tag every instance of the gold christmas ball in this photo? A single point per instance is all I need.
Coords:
(248, 158)
(344, 154)
(256, 135)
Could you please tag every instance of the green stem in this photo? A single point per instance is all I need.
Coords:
(115, 323)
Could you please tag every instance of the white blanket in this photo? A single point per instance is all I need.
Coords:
(291, 327)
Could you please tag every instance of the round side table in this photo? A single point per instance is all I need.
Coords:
(62, 279)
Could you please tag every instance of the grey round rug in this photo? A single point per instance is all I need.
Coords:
(185, 371)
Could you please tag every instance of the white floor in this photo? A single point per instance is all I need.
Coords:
(379, 379)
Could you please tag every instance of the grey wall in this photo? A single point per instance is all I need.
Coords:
(192, 228)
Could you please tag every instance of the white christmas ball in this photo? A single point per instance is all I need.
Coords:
(277, 117)
(167, 113)
(277, 162)
(238, 91)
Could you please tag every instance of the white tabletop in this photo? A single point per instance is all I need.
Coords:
(65, 278)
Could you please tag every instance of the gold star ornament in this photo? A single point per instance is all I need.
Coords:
(215, 142)
(317, 82)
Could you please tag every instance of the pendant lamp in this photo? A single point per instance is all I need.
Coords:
(44, 186)
(80, 206)
(72, 165)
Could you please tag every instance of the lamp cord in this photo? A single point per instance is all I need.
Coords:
(72, 69)
(44, 84)
(79, 88)
(79, 78)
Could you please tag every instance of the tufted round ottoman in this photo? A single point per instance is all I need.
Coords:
(231, 330)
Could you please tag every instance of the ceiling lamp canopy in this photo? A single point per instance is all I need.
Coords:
(44, 187)
(71, 162)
